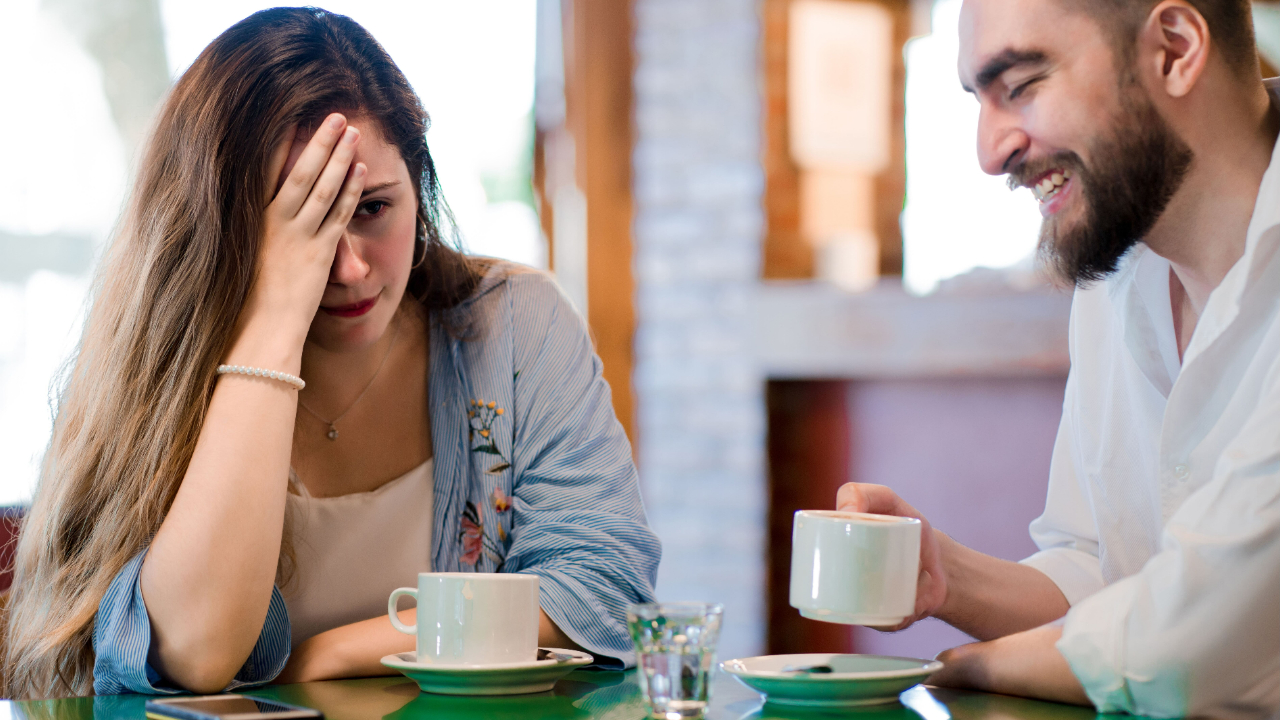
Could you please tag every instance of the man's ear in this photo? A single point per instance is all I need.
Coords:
(1174, 42)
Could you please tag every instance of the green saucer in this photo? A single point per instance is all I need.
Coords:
(841, 680)
(505, 679)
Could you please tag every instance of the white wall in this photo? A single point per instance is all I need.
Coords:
(698, 187)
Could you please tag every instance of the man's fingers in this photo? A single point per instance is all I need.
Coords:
(900, 626)
(850, 498)
(311, 163)
(331, 182)
(926, 589)
(345, 206)
(868, 498)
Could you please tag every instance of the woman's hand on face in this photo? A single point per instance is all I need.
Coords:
(305, 220)
(931, 588)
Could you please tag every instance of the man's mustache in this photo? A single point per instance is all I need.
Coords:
(1024, 174)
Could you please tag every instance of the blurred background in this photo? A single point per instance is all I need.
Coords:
(770, 212)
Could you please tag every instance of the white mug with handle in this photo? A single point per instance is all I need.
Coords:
(472, 619)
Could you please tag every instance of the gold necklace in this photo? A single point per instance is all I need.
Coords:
(333, 430)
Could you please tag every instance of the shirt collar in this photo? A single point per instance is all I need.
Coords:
(1139, 294)
(1261, 239)
(1266, 211)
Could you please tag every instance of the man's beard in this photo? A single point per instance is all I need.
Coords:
(1134, 175)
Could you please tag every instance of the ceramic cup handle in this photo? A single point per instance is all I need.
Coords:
(394, 614)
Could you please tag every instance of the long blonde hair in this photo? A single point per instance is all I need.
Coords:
(165, 300)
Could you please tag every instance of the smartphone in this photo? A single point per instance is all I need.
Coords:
(225, 707)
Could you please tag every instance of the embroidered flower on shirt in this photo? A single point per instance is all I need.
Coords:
(501, 502)
(480, 420)
(476, 543)
(471, 536)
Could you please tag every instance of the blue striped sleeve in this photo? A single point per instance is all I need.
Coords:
(579, 522)
(122, 638)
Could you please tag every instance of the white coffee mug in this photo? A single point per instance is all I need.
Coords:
(472, 619)
(854, 568)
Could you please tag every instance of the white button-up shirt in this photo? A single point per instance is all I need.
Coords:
(1162, 525)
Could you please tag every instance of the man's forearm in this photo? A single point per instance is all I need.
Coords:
(1025, 664)
(989, 598)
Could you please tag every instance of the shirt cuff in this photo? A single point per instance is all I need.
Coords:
(1093, 644)
(1096, 643)
(122, 641)
(1077, 574)
(580, 616)
(122, 638)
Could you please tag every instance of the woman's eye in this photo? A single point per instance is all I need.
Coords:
(371, 208)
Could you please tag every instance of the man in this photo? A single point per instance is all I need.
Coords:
(1150, 143)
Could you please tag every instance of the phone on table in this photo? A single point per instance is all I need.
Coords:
(226, 707)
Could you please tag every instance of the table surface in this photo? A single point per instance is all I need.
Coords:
(581, 695)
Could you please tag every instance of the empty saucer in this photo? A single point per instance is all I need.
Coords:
(827, 680)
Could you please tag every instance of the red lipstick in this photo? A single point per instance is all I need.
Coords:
(355, 309)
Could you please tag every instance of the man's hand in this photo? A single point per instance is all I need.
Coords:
(931, 587)
(1025, 664)
(982, 595)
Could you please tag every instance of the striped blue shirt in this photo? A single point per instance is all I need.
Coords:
(533, 474)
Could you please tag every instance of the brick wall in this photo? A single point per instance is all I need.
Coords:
(698, 231)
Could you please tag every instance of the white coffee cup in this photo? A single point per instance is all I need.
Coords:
(854, 568)
(472, 619)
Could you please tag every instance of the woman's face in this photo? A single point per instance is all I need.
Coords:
(371, 267)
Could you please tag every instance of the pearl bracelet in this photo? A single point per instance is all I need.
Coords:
(284, 377)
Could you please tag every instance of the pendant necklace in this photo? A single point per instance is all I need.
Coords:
(333, 431)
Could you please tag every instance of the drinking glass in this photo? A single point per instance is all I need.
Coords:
(675, 651)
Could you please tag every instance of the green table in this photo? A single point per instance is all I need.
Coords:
(581, 695)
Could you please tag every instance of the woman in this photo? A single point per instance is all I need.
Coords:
(196, 519)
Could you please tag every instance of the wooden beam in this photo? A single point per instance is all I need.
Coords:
(604, 29)
(592, 152)
(786, 253)
(891, 185)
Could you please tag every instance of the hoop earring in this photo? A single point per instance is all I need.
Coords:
(422, 259)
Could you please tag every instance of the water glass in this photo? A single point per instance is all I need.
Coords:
(675, 651)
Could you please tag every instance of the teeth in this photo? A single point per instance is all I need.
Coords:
(1050, 184)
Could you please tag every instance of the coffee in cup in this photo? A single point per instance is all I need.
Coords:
(472, 619)
(854, 568)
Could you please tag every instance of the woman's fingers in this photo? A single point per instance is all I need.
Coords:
(347, 202)
(275, 166)
(330, 183)
(311, 163)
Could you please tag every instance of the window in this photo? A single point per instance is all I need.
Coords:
(956, 218)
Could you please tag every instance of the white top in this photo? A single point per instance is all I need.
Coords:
(353, 550)
(1162, 525)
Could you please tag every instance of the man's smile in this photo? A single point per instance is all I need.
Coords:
(1050, 183)
(1051, 189)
